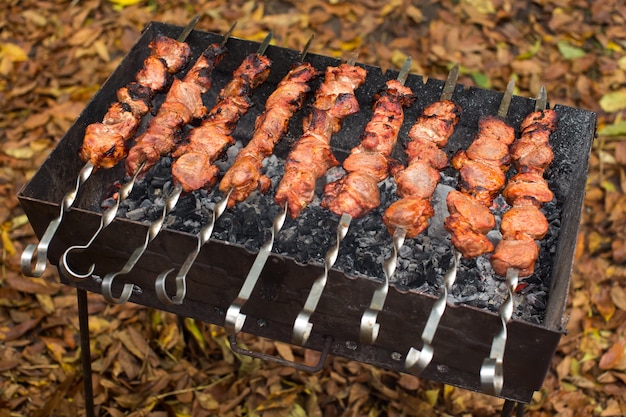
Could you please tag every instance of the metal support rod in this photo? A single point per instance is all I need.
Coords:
(85, 350)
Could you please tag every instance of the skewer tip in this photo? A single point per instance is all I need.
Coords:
(506, 99)
(450, 85)
(228, 34)
(404, 71)
(265, 43)
(542, 99)
(305, 50)
(189, 28)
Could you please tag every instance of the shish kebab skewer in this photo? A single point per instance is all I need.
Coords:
(213, 134)
(416, 359)
(270, 125)
(181, 103)
(334, 101)
(104, 142)
(312, 157)
(292, 89)
(416, 184)
(521, 225)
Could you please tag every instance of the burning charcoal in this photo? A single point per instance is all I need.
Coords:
(136, 214)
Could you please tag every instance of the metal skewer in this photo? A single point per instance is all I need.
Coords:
(369, 326)
(181, 278)
(40, 251)
(110, 214)
(107, 218)
(302, 326)
(235, 319)
(492, 369)
(154, 229)
(416, 359)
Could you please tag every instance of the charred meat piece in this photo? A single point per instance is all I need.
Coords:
(194, 168)
(245, 176)
(357, 193)
(312, 156)
(417, 182)
(105, 142)
(183, 103)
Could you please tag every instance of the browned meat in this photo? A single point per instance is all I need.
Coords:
(244, 176)
(466, 238)
(482, 169)
(311, 157)
(524, 220)
(526, 192)
(520, 254)
(183, 103)
(417, 182)
(409, 213)
(529, 186)
(471, 210)
(357, 193)
(104, 144)
(194, 168)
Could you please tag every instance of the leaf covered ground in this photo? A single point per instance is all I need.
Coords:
(54, 55)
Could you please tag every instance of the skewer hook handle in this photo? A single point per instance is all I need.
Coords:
(181, 278)
(302, 326)
(492, 369)
(181, 288)
(369, 326)
(40, 251)
(107, 290)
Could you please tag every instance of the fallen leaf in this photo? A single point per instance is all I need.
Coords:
(615, 357)
(603, 302)
(569, 51)
(613, 101)
(618, 296)
(615, 129)
(12, 52)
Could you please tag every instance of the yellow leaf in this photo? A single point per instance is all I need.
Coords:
(169, 336)
(24, 152)
(622, 63)
(13, 52)
(7, 244)
(614, 46)
(481, 6)
(390, 7)
(40, 145)
(351, 45)
(45, 302)
(124, 3)
(431, 396)
(613, 101)
(19, 221)
(98, 325)
(398, 57)
(195, 331)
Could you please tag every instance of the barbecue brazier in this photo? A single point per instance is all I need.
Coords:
(465, 333)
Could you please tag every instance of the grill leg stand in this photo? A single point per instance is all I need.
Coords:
(507, 409)
(85, 350)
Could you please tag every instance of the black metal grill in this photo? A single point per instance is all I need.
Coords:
(465, 333)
